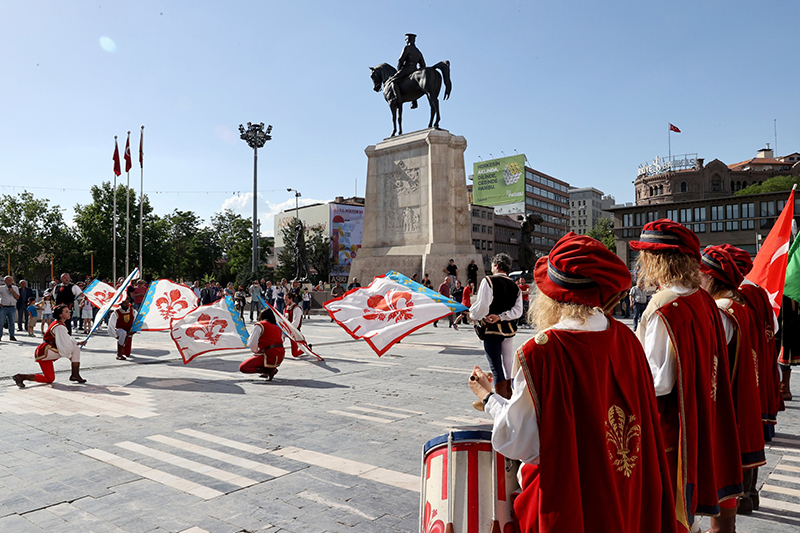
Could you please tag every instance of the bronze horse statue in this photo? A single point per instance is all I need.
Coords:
(422, 82)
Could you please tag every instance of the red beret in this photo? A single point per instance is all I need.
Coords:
(719, 264)
(740, 257)
(664, 234)
(581, 270)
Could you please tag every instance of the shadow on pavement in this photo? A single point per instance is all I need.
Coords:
(305, 383)
(87, 388)
(187, 385)
(150, 353)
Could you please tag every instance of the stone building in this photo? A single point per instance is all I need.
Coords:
(587, 205)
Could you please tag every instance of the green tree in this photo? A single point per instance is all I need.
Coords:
(31, 230)
(776, 184)
(603, 231)
(192, 249)
(233, 235)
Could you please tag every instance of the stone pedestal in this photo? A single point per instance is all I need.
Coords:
(416, 212)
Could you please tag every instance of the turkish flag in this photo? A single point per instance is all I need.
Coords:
(141, 149)
(117, 170)
(674, 128)
(128, 154)
(769, 267)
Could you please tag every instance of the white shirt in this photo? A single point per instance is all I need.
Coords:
(297, 315)
(659, 349)
(481, 303)
(515, 433)
(727, 321)
(65, 344)
(7, 295)
(112, 322)
(255, 334)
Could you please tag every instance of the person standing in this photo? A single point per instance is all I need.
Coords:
(452, 272)
(266, 343)
(138, 294)
(525, 289)
(354, 285)
(57, 343)
(306, 304)
(583, 417)
(65, 293)
(472, 273)
(638, 298)
(9, 295)
(33, 315)
(457, 293)
(497, 306)
(294, 315)
(684, 341)
(240, 301)
(25, 293)
(466, 301)
(197, 290)
(444, 290)
(280, 296)
(47, 310)
(119, 328)
(87, 314)
(207, 294)
(255, 299)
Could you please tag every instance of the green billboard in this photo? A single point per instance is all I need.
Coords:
(499, 181)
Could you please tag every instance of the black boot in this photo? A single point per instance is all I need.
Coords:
(76, 375)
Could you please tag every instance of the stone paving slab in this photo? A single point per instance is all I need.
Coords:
(342, 438)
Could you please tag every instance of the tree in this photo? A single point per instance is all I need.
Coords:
(776, 184)
(192, 250)
(603, 231)
(233, 235)
(31, 230)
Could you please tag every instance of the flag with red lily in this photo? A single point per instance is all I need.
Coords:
(99, 293)
(164, 301)
(111, 303)
(209, 328)
(769, 266)
(290, 331)
(391, 307)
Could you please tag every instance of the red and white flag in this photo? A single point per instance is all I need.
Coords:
(99, 293)
(163, 302)
(209, 328)
(128, 154)
(391, 307)
(674, 128)
(117, 169)
(141, 149)
(769, 266)
(292, 332)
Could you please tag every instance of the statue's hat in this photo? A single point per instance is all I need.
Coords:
(412, 35)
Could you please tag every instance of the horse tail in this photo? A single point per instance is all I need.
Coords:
(444, 66)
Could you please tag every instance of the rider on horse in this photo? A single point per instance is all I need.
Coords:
(409, 59)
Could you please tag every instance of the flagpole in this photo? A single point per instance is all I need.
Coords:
(114, 227)
(141, 201)
(669, 140)
(127, 205)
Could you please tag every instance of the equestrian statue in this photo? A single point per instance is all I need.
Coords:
(412, 80)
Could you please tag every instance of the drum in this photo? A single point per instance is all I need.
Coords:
(466, 486)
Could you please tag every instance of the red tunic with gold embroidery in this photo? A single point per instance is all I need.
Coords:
(743, 361)
(49, 339)
(602, 465)
(768, 380)
(698, 421)
(270, 344)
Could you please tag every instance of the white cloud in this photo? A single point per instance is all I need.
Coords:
(243, 204)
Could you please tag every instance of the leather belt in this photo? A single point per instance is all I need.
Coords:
(271, 346)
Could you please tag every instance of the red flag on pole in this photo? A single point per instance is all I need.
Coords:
(141, 149)
(128, 154)
(117, 169)
(673, 128)
(769, 267)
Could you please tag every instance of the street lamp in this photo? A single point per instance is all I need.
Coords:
(256, 138)
(297, 196)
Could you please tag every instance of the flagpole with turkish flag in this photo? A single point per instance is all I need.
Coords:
(769, 266)
(141, 200)
(117, 172)
(128, 203)
(669, 138)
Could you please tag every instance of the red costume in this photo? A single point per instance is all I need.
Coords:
(270, 350)
(125, 323)
(294, 314)
(602, 465)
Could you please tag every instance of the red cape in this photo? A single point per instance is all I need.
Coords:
(602, 464)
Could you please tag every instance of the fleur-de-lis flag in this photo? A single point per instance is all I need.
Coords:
(209, 328)
(164, 301)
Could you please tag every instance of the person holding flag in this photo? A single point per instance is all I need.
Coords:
(294, 314)
(266, 343)
(119, 328)
(57, 343)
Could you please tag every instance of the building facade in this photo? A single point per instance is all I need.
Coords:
(548, 198)
(587, 205)
(508, 237)
(483, 232)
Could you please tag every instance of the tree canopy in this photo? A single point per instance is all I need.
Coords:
(776, 184)
(603, 231)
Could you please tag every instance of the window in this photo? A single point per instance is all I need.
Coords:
(660, 189)
(717, 213)
(686, 216)
(732, 214)
(748, 212)
(489, 245)
(683, 186)
(699, 216)
(483, 245)
(536, 178)
(529, 200)
(767, 210)
(640, 219)
(652, 216)
(476, 228)
(528, 187)
(627, 220)
(716, 185)
(672, 214)
(476, 243)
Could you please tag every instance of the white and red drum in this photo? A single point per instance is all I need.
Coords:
(478, 492)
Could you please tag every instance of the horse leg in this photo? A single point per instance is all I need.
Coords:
(434, 110)
(394, 119)
(400, 117)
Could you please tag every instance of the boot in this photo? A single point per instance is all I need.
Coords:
(120, 355)
(503, 389)
(724, 523)
(745, 501)
(76, 376)
(786, 392)
(19, 379)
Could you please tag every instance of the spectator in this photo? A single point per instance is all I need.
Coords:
(25, 293)
(86, 314)
(354, 285)
(65, 293)
(47, 309)
(638, 300)
(33, 315)
(197, 290)
(306, 304)
(9, 294)
(458, 292)
(219, 292)
(280, 295)
(525, 290)
(255, 302)
(240, 299)
(466, 300)
(444, 290)
(295, 291)
(207, 294)
(138, 294)
(472, 273)
(452, 272)
(320, 286)
(269, 294)
(426, 281)
(337, 292)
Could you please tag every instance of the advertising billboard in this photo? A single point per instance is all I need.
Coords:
(499, 181)
(347, 224)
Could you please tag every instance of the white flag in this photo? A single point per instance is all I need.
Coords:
(99, 293)
(164, 302)
(208, 328)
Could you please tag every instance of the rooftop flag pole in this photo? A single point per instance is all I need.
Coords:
(128, 203)
(117, 172)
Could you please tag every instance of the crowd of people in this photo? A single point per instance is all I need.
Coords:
(624, 431)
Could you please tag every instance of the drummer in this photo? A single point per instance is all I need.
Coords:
(582, 417)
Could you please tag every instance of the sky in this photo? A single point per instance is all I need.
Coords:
(585, 89)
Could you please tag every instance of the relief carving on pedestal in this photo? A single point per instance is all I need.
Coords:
(404, 181)
(403, 220)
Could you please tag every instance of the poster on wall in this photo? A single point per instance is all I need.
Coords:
(499, 181)
(347, 223)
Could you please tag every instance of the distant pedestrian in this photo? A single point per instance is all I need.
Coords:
(33, 315)
(354, 284)
(47, 310)
(472, 273)
(444, 290)
(452, 272)
(280, 295)
(255, 302)
(306, 304)
(65, 293)
(197, 290)
(240, 299)
(207, 294)
(86, 314)
(25, 293)
(9, 294)
(638, 300)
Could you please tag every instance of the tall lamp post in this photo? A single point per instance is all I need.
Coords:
(297, 196)
(256, 138)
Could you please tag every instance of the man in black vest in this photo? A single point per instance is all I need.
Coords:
(497, 306)
(65, 293)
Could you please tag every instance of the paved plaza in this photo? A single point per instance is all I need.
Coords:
(153, 445)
